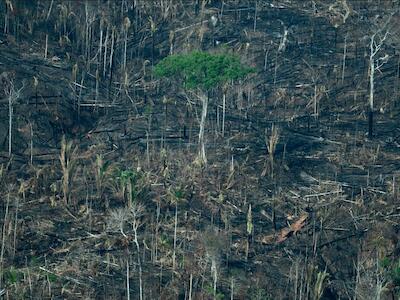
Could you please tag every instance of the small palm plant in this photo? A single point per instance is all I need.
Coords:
(271, 142)
(69, 163)
(128, 184)
(103, 174)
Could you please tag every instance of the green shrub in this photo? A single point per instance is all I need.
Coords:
(391, 271)
(12, 276)
(128, 180)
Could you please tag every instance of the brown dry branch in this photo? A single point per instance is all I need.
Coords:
(286, 232)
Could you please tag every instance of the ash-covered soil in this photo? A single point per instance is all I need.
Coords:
(102, 195)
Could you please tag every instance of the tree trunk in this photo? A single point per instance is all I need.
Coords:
(139, 263)
(315, 101)
(125, 48)
(10, 119)
(215, 276)
(100, 52)
(344, 57)
(370, 122)
(45, 48)
(255, 17)
(105, 51)
(371, 88)
(223, 113)
(31, 144)
(232, 288)
(175, 230)
(190, 286)
(128, 295)
(202, 151)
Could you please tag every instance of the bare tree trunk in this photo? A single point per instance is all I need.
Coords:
(266, 57)
(4, 232)
(49, 11)
(156, 230)
(87, 25)
(223, 113)
(6, 21)
(127, 24)
(344, 57)
(80, 95)
(125, 46)
(232, 288)
(276, 67)
(255, 17)
(139, 263)
(10, 120)
(376, 42)
(371, 88)
(112, 47)
(202, 151)
(315, 101)
(100, 43)
(105, 51)
(215, 276)
(13, 95)
(190, 286)
(128, 295)
(175, 229)
(45, 49)
(97, 88)
(31, 144)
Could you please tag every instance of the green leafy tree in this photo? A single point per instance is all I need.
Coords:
(200, 72)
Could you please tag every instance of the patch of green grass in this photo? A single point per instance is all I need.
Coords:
(208, 289)
(258, 294)
(395, 274)
(391, 270)
(12, 276)
(52, 277)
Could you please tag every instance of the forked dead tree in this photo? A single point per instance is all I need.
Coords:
(12, 95)
(376, 59)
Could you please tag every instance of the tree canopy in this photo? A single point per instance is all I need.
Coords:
(202, 70)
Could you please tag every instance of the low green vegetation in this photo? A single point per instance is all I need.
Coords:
(128, 180)
(391, 270)
(12, 276)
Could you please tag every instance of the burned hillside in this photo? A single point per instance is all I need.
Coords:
(106, 192)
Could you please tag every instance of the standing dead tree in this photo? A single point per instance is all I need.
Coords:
(316, 74)
(376, 59)
(12, 95)
(136, 212)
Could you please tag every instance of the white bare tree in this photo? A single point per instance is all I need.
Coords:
(117, 222)
(136, 213)
(12, 95)
(376, 59)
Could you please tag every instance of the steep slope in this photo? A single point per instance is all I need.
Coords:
(130, 212)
